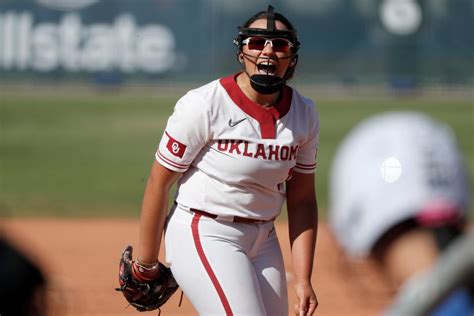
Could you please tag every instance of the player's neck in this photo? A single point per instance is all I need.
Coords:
(265, 100)
(418, 246)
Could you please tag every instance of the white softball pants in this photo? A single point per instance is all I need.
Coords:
(226, 268)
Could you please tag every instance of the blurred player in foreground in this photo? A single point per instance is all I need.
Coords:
(240, 146)
(22, 283)
(399, 194)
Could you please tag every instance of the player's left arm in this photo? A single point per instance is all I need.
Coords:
(303, 228)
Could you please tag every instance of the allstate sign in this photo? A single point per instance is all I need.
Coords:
(29, 42)
(66, 5)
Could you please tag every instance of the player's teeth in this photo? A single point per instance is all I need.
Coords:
(264, 72)
(267, 68)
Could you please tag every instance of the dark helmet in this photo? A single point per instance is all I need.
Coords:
(268, 84)
(270, 31)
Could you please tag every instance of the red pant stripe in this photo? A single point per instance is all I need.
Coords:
(207, 266)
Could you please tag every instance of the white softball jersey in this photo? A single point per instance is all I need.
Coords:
(236, 155)
(393, 167)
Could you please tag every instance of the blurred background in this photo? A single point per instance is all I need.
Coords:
(86, 86)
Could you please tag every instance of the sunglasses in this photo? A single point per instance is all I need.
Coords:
(279, 45)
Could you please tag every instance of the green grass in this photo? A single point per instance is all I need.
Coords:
(88, 153)
(78, 155)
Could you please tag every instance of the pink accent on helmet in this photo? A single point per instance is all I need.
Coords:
(439, 212)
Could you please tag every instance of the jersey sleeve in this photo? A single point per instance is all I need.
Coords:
(307, 151)
(186, 133)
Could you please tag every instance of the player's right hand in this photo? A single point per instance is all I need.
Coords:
(307, 300)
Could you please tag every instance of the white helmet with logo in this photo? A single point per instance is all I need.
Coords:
(388, 169)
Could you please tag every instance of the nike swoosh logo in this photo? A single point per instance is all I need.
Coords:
(233, 123)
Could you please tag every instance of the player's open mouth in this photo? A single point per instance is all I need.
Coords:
(266, 68)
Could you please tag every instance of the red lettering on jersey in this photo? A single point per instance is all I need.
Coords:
(284, 152)
(273, 152)
(174, 147)
(293, 152)
(234, 146)
(270, 152)
(246, 148)
(222, 145)
(260, 152)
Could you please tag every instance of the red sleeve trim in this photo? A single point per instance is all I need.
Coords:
(306, 167)
(170, 162)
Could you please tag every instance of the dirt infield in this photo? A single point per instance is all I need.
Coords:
(81, 256)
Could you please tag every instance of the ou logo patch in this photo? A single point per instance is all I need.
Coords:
(175, 147)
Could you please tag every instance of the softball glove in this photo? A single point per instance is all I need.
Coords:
(143, 292)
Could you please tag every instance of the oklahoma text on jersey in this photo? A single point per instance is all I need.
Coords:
(270, 152)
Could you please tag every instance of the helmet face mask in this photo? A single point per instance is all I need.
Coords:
(269, 83)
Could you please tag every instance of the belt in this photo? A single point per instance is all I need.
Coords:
(235, 219)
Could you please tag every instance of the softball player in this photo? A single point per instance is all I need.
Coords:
(399, 193)
(240, 146)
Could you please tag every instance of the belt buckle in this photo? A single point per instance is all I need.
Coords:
(261, 221)
(225, 218)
